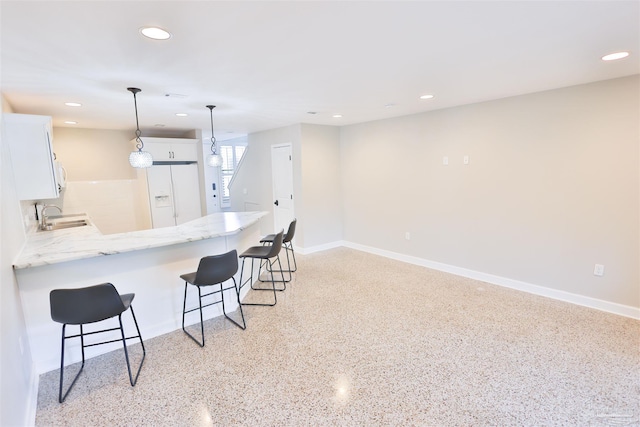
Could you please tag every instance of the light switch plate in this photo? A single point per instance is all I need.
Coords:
(598, 270)
(445, 160)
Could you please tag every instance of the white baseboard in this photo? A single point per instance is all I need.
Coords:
(319, 248)
(32, 404)
(610, 307)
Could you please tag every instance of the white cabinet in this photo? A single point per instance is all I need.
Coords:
(31, 145)
(171, 149)
(174, 194)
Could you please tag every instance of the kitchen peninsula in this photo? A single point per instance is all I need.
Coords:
(148, 263)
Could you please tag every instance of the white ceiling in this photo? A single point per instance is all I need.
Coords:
(266, 64)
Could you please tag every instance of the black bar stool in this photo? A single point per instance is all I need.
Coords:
(89, 305)
(287, 245)
(266, 254)
(213, 270)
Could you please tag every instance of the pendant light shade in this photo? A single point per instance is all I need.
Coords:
(214, 159)
(139, 159)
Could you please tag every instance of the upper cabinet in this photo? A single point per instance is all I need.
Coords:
(171, 149)
(30, 142)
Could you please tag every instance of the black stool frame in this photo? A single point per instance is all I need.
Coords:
(287, 244)
(213, 270)
(62, 310)
(264, 254)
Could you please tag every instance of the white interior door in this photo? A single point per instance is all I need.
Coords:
(282, 179)
(161, 196)
(186, 192)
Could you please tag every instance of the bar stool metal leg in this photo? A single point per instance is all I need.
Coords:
(61, 398)
(269, 269)
(250, 280)
(184, 307)
(132, 380)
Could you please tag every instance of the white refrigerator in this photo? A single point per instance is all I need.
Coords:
(174, 194)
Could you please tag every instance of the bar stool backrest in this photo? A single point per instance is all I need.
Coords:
(216, 268)
(85, 305)
(290, 232)
(276, 245)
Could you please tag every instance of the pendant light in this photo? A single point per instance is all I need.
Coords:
(213, 159)
(139, 159)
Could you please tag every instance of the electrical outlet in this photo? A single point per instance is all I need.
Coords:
(598, 270)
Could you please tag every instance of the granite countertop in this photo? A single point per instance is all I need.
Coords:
(51, 247)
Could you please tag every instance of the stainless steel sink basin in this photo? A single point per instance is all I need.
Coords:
(55, 217)
(59, 225)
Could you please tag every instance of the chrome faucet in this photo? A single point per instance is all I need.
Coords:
(43, 217)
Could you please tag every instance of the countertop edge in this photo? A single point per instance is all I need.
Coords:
(125, 242)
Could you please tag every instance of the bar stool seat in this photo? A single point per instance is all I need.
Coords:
(264, 254)
(92, 304)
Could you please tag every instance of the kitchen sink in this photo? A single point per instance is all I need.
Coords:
(56, 217)
(59, 225)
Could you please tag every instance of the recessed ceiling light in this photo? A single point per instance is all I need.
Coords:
(155, 33)
(614, 56)
(70, 122)
(181, 114)
(312, 112)
(337, 116)
(426, 97)
(159, 125)
(73, 104)
(389, 105)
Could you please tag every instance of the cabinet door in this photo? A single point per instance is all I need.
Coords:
(161, 152)
(184, 152)
(186, 192)
(30, 143)
(171, 149)
(161, 196)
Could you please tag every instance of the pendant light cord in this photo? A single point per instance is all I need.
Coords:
(139, 143)
(213, 138)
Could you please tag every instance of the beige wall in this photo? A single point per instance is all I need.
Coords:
(94, 154)
(552, 188)
(320, 198)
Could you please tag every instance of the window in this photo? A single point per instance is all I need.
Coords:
(231, 156)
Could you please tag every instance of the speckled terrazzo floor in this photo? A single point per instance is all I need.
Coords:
(359, 340)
